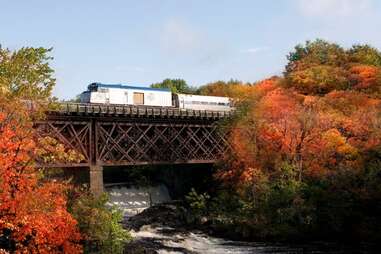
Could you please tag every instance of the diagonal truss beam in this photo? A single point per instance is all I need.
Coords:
(109, 141)
(124, 143)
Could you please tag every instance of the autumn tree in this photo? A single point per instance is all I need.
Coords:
(33, 212)
(232, 88)
(301, 151)
(34, 209)
(33, 215)
(315, 53)
(366, 78)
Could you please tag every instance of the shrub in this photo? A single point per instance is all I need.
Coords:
(197, 202)
(99, 224)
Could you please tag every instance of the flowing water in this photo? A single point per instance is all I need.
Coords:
(133, 200)
(197, 242)
(162, 241)
(159, 230)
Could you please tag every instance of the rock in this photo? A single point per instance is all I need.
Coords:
(203, 220)
(166, 214)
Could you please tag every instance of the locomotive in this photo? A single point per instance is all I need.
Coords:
(133, 95)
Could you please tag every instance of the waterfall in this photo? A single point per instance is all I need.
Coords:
(133, 200)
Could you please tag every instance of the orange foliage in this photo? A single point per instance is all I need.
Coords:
(316, 135)
(266, 85)
(365, 76)
(232, 89)
(32, 213)
(367, 79)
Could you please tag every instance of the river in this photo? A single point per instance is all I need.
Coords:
(159, 227)
(161, 240)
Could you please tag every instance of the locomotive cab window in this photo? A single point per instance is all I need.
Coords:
(138, 98)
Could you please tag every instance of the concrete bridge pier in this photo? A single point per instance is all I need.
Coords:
(96, 179)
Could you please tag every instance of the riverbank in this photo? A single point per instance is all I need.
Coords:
(165, 228)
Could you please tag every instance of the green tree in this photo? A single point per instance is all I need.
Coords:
(26, 74)
(175, 85)
(318, 52)
(100, 225)
(365, 54)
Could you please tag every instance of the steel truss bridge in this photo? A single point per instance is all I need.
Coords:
(117, 135)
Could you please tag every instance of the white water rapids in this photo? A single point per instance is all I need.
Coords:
(156, 238)
(197, 242)
(132, 200)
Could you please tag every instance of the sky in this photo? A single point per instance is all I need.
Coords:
(146, 41)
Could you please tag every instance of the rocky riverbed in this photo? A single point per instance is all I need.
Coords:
(163, 229)
(159, 225)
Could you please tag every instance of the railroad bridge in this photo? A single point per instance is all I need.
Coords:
(117, 135)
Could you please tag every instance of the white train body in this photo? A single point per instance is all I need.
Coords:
(131, 95)
(201, 102)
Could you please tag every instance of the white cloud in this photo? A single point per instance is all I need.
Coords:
(334, 8)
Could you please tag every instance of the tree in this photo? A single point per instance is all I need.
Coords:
(26, 74)
(291, 153)
(283, 126)
(304, 156)
(366, 78)
(365, 55)
(33, 212)
(318, 80)
(320, 67)
(99, 224)
(318, 52)
(33, 215)
(317, 67)
(232, 88)
(305, 151)
(175, 85)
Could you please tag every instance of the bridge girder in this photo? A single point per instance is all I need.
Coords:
(118, 136)
(117, 142)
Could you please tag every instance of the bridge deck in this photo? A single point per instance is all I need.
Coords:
(136, 111)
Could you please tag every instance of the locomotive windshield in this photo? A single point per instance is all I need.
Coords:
(93, 87)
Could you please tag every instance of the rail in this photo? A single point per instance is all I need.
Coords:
(136, 111)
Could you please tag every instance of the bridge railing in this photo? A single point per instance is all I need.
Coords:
(134, 110)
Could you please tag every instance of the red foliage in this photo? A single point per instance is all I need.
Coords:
(315, 135)
(267, 85)
(365, 76)
(33, 213)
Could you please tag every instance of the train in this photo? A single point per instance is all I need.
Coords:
(98, 93)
